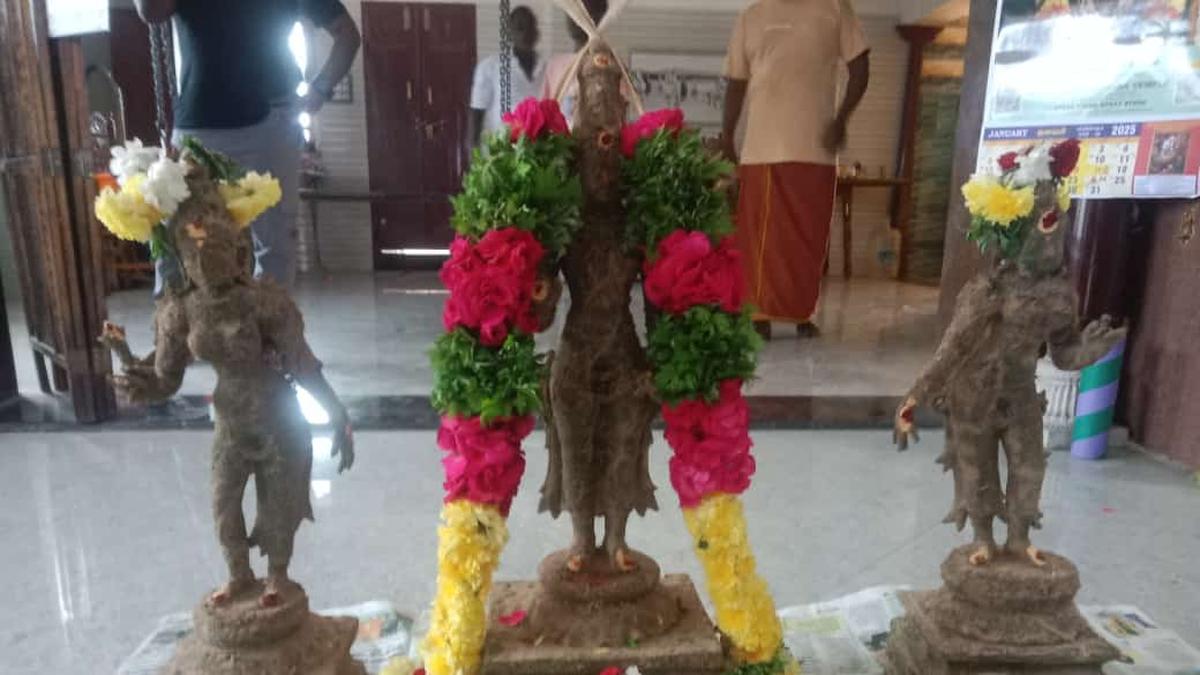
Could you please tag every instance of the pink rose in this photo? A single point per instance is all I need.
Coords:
(1008, 161)
(670, 119)
(483, 463)
(533, 119)
(689, 271)
(491, 284)
(711, 443)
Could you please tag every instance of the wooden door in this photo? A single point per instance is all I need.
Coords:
(418, 60)
(129, 49)
(45, 164)
(1159, 391)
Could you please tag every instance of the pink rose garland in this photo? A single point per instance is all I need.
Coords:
(649, 124)
(483, 464)
(533, 119)
(712, 445)
(491, 284)
(690, 271)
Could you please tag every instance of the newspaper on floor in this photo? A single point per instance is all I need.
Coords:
(841, 637)
(1146, 647)
(383, 634)
(845, 636)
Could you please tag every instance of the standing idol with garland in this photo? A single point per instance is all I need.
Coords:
(604, 206)
(197, 208)
(1010, 605)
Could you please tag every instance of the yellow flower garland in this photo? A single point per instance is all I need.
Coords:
(470, 541)
(745, 610)
(995, 202)
(250, 197)
(126, 213)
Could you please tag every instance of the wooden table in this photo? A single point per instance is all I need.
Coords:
(845, 191)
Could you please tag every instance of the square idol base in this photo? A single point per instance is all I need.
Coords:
(917, 646)
(692, 648)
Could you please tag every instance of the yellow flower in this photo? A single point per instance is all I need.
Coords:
(987, 198)
(1064, 196)
(470, 541)
(125, 212)
(745, 610)
(399, 666)
(250, 197)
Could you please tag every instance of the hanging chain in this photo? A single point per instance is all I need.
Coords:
(506, 51)
(162, 63)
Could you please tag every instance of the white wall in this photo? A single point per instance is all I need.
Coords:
(657, 25)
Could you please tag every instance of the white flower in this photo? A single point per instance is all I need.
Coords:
(131, 159)
(1033, 167)
(632, 670)
(166, 185)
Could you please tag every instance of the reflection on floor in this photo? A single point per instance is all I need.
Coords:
(106, 532)
(373, 333)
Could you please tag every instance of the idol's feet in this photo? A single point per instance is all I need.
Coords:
(623, 561)
(984, 554)
(223, 595)
(272, 594)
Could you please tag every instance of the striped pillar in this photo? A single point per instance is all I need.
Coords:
(1098, 384)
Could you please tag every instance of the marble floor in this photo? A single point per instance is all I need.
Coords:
(103, 533)
(373, 332)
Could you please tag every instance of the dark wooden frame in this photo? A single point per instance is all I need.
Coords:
(46, 175)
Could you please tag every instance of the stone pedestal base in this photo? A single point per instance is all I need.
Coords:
(1005, 617)
(689, 647)
(241, 638)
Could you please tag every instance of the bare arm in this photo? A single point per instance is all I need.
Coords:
(155, 11)
(346, 43)
(156, 377)
(856, 88)
(969, 327)
(735, 101)
(283, 326)
(1075, 349)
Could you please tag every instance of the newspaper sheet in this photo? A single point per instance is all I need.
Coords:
(841, 636)
(1146, 647)
(383, 633)
(846, 635)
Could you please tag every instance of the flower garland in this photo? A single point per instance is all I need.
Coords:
(1001, 202)
(147, 187)
(515, 217)
(703, 347)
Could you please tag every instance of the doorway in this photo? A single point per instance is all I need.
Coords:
(418, 60)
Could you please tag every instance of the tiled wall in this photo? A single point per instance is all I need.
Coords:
(341, 129)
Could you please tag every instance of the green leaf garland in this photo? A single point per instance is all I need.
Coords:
(694, 352)
(672, 184)
(471, 379)
(529, 185)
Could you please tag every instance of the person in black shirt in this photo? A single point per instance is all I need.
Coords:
(238, 95)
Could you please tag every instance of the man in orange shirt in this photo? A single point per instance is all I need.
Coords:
(783, 66)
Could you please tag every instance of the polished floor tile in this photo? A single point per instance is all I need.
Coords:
(373, 332)
(103, 533)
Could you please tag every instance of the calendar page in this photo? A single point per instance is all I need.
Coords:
(1122, 76)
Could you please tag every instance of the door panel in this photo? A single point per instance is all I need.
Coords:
(392, 68)
(418, 61)
(449, 61)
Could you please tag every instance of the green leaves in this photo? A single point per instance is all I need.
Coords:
(694, 352)
(988, 235)
(220, 167)
(529, 185)
(672, 183)
(776, 666)
(471, 379)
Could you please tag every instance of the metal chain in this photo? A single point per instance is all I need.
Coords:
(506, 52)
(162, 63)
